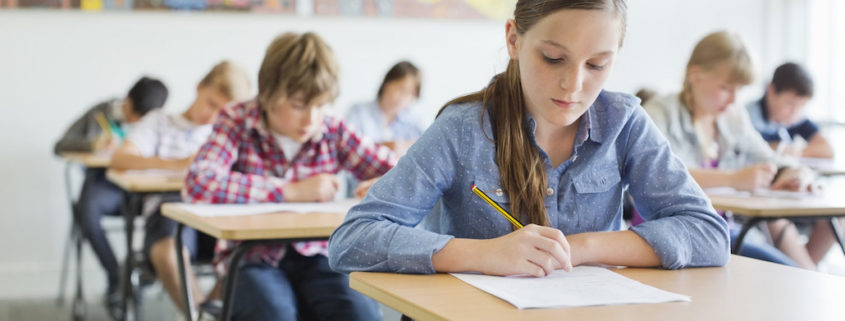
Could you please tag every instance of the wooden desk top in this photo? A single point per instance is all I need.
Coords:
(829, 202)
(147, 182)
(90, 160)
(827, 205)
(258, 227)
(745, 289)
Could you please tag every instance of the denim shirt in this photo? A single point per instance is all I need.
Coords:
(616, 147)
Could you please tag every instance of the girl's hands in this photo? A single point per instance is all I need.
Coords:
(533, 250)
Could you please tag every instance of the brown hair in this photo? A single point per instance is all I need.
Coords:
(398, 72)
(714, 49)
(228, 79)
(518, 159)
(297, 63)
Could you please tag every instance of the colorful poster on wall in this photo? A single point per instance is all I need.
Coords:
(449, 9)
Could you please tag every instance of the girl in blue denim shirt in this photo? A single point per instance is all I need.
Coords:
(555, 150)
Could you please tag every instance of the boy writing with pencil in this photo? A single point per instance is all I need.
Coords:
(281, 148)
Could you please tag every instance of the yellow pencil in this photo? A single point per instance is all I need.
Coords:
(496, 206)
(104, 123)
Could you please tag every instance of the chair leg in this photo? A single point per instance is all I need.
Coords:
(79, 309)
(73, 233)
(71, 239)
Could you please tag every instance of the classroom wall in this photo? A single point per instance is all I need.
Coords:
(54, 65)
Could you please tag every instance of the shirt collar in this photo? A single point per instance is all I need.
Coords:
(586, 128)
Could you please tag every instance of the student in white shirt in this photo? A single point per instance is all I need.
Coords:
(162, 141)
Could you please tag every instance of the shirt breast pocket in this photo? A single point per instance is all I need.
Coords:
(492, 187)
(598, 197)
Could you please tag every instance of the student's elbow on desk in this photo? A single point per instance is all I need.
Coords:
(692, 245)
(344, 254)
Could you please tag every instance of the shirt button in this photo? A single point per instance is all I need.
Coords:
(550, 191)
(499, 192)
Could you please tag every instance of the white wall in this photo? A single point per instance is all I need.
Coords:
(54, 65)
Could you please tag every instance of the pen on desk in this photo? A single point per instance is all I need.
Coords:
(496, 206)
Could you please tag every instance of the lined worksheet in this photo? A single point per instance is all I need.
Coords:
(584, 286)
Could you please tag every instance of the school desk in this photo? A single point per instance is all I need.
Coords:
(137, 185)
(75, 237)
(89, 160)
(745, 289)
(251, 230)
(827, 205)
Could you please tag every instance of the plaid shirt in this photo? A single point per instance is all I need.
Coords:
(242, 163)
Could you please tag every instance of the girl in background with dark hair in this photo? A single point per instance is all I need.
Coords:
(556, 151)
(390, 119)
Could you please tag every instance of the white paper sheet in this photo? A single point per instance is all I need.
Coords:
(212, 210)
(155, 172)
(763, 192)
(584, 286)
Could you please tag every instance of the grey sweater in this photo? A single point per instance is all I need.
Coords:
(81, 135)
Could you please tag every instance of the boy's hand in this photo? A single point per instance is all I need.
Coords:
(364, 186)
(104, 142)
(181, 164)
(317, 188)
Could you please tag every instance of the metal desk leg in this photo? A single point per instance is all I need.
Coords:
(231, 277)
(837, 232)
(133, 204)
(745, 227)
(187, 295)
(69, 247)
(71, 239)
(79, 298)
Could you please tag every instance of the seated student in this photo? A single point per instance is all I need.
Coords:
(162, 141)
(100, 197)
(778, 115)
(555, 150)
(720, 147)
(280, 147)
(389, 119)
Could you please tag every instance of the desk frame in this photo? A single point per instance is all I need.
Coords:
(231, 275)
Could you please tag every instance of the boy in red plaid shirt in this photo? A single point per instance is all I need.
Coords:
(281, 148)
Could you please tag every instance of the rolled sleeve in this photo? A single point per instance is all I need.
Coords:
(681, 225)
